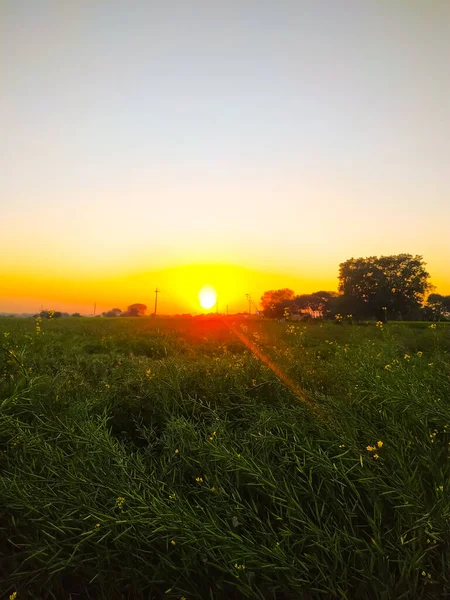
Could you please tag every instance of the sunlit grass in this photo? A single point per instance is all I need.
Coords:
(144, 458)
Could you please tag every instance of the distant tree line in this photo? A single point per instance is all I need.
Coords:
(54, 314)
(134, 310)
(387, 287)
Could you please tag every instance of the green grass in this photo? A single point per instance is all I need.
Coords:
(266, 493)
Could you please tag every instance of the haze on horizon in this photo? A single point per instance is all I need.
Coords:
(144, 143)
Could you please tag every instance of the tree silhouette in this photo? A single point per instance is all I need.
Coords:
(273, 300)
(136, 310)
(396, 284)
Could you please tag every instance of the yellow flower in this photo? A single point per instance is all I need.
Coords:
(13, 596)
(371, 448)
(107, 386)
(388, 368)
(433, 326)
(97, 524)
(419, 354)
(173, 542)
(380, 444)
(199, 479)
(441, 488)
(342, 446)
(147, 372)
(430, 364)
(376, 457)
(120, 502)
(407, 357)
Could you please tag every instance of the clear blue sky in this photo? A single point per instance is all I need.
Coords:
(283, 136)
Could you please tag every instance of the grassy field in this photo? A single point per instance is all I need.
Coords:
(224, 460)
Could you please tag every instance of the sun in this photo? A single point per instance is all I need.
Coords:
(207, 296)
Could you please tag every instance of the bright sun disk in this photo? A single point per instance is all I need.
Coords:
(207, 296)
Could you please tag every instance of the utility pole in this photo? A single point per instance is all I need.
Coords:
(156, 300)
(249, 298)
(95, 307)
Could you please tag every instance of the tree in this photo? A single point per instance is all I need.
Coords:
(318, 302)
(439, 306)
(272, 300)
(114, 312)
(395, 285)
(136, 310)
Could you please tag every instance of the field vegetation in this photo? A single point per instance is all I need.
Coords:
(224, 459)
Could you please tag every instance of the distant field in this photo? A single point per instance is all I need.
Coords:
(224, 459)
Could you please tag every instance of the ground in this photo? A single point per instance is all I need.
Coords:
(224, 459)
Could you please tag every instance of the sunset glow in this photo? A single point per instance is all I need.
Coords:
(167, 152)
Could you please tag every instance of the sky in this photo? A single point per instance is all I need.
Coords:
(246, 144)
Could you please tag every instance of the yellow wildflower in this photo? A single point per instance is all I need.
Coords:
(371, 448)
(120, 502)
(407, 357)
(433, 326)
(441, 488)
(173, 542)
(13, 596)
(380, 444)
(419, 354)
(388, 368)
(376, 457)
(199, 479)
(97, 524)
(177, 451)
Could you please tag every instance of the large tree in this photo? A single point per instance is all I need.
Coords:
(395, 285)
(136, 310)
(273, 302)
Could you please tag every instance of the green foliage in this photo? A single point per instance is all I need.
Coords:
(396, 284)
(146, 458)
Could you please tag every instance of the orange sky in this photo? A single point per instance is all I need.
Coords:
(276, 138)
(27, 292)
